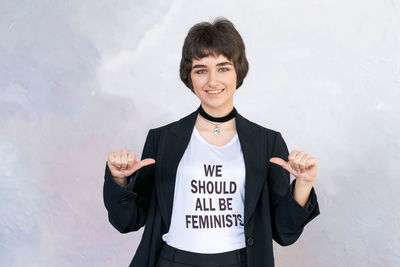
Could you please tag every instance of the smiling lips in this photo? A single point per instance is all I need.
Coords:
(214, 92)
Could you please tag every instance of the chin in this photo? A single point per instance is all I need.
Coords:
(213, 105)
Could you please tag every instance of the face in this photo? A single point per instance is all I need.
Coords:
(214, 82)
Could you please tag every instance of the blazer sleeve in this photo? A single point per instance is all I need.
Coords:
(128, 206)
(288, 216)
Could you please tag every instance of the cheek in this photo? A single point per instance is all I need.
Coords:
(197, 82)
(232, 79)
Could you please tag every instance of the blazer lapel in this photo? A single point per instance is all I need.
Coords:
(252, 143)
(173, 146)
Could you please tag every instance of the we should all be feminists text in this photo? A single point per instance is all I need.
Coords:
(205, 204)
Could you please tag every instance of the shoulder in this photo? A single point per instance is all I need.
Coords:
(269, 133)
(169, 125)
(273, 142)
(182, 124)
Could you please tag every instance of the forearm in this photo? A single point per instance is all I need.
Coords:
(301, 192)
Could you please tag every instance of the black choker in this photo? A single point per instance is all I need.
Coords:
(215, 119)
(206, 116)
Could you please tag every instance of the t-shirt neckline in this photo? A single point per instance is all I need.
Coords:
(197, 134)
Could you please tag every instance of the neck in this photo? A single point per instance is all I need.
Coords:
(217, 112)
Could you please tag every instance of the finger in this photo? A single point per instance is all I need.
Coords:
(284, 164)
(303, 163)
(114, 159)
(278, 161)
(124, 159)
(143, 163)
(148, 161)
(298, 159)
(311, 162)
(111, 158)
(292, 156)
(118, 160)
(131, 158)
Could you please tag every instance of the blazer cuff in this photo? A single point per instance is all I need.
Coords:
(301, 215)
(309, 206)
(116, 189)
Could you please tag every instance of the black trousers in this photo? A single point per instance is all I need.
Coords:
(173, 257)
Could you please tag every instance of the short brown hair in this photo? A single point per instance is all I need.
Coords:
(218, 37)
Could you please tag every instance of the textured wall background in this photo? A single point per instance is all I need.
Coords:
(79, 79)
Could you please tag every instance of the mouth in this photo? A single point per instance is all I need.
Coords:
(214, 92)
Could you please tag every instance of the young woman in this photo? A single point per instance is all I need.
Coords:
(213, 188)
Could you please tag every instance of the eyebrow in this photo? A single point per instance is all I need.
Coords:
(219, 64)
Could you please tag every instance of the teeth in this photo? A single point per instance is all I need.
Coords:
(214, 92)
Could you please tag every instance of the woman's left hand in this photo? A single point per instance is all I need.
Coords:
(301, 165)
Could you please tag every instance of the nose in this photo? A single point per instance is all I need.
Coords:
(212, 79)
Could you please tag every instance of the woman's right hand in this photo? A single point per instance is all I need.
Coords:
(123, 163)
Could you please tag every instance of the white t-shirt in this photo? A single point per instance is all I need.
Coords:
(207, 214)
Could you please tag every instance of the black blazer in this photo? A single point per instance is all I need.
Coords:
(270, 211)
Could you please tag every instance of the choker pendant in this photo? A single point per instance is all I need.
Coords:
(210, 118)
(216, 130)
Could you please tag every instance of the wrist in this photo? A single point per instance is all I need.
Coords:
(121, 181)
(301, 192)
(304, 184)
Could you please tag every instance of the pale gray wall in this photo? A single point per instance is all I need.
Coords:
(79, 79)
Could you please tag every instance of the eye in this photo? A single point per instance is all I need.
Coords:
(224, 69)
(201, 71)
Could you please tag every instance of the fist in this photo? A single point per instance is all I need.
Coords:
(123, 164)
(302, 165)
